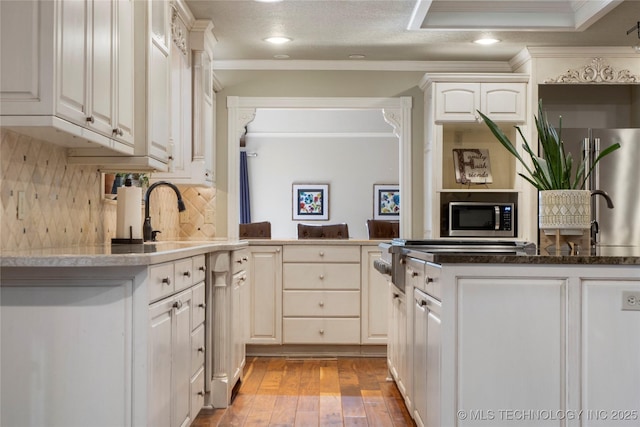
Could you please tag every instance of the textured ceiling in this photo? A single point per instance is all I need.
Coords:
(331, 30)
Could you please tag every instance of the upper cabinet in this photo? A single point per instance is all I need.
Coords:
(459, 101)
(192, 101)
(67, 75)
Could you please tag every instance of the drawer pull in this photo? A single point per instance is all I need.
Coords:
(428, 279)
(321, 331)
(201, 268)
(90, 119)
(321, 277)
(201, 349)
(202, 305)
(166, 281)
(396, 295)
(245, 259)
(414, 273)
(201, 393)
(321, 303)
(187, 274)
(177, 304)
(321, 253)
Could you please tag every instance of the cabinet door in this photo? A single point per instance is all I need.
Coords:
(265, 295)
(73, 26)
(124, 105)
(457, 102)
(101, 67)
(433, 358)
(159, 372)
(504, 101)
(181, 367)
(374, 296)
(158, 81)
(237, 325)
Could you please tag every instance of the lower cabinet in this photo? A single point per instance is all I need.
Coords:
(397, 344)
(176, 345)
(265, 295)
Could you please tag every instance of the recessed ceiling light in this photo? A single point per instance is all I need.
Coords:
(281, 56)
(356, 56)
(278, 40)
(486, 41)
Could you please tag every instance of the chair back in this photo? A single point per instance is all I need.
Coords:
(255, 230)
(324, 231)
(383, 229)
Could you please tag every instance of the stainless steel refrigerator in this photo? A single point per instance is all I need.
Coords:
(618, 174)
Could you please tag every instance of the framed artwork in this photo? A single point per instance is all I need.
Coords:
(472, 166)
(386, 201)
(310, 201)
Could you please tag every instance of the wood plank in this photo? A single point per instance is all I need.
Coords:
(330, 410)
(306, 419)
(284, 411)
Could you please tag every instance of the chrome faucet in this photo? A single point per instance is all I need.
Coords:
(148, 233)
(595, 229)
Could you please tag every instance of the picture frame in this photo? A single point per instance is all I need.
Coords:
(310, 202)
(386, 201)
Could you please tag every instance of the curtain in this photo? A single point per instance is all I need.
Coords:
(245, 202)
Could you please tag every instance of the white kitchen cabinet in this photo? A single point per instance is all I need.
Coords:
(397, 345)
(151, 91)
(265, 304)
(67, 76)
(374, 304)
(427, 350)
(323, 277)
(193, 102)
(459, 101)
(239, 304)
(170, 360)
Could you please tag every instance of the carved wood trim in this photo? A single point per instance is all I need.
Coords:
(598, 71)
(177, 32)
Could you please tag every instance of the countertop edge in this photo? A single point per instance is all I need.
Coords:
(94, 256)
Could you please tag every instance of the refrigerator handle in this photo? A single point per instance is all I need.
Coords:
(587, 155)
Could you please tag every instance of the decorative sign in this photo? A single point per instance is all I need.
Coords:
(472, 166)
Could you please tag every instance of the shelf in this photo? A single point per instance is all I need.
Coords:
(478, 190)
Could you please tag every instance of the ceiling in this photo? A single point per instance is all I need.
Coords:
(444, 30)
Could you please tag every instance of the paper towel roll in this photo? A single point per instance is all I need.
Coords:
(129, 213)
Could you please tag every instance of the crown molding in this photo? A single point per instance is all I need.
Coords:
(359, 65)
(579, 52)
(430, 78)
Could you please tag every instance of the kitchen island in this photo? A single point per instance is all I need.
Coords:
(116, 335)
(524, 340)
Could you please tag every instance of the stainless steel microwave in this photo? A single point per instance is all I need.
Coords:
(481, 219)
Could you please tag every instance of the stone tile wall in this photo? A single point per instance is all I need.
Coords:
(64, 204)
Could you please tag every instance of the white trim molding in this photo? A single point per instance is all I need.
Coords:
(242, 110)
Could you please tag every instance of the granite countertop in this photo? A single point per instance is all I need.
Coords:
(294, 241)
(107, 255)
(605, 255)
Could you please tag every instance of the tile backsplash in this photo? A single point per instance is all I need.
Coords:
(63, 203)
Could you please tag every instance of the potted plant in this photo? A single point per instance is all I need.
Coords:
(563, 204)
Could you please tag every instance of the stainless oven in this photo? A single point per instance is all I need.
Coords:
(481, 219)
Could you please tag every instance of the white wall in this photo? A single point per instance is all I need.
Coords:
(351, 165)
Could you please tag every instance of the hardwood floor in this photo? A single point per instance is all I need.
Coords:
(312, 392)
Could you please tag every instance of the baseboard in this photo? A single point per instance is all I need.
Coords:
(316, 350)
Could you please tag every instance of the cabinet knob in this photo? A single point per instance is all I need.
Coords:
(90, 119)
(166, 281)
(177, 304)
(321, 303)
(202, 305)
(201, 349)
(396, 295)
(245, 259)
(321, 331)
(428, 279)
(423, 303)
(277, 250)
(202, 268)
(201, 393)
(414, 273)
(187, 273)
(321, 253)
(321, 277)
(117, 132)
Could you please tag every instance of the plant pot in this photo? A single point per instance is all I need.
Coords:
(566, 210)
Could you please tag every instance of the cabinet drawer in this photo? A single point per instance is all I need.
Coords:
(199, 268)
(161, 280)
(321, 303)
(199, 306)
(320, 253)
(197, 349)
(239, 260)
(432, 283)
(184, 273)
(321, 276)
(298, 330)
(197, 393)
